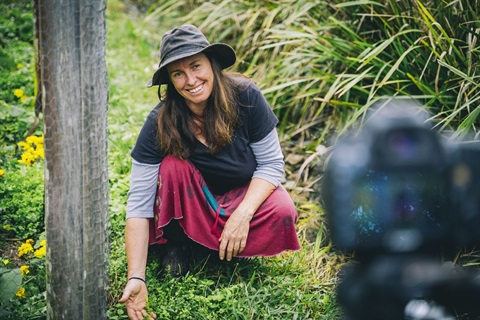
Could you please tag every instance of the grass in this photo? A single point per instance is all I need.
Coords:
(296, 285)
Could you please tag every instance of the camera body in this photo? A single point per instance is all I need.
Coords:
(398, 195)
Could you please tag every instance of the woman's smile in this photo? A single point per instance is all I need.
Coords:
(197, 89)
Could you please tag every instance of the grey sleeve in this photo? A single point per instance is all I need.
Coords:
(143, 188)
(268, 154)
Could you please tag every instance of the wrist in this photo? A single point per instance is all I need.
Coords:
(137, 279)
(246, 212)
(136, 272)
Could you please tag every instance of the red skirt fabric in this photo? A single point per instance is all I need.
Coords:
(183, 195)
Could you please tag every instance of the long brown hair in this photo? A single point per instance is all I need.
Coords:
(222, 115)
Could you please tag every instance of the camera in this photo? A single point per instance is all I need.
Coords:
(398, 196)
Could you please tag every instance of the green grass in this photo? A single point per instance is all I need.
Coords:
(296, 285)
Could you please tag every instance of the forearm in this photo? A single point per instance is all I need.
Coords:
(257, 192)
(136, 245)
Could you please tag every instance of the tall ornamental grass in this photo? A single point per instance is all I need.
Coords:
(322, 64)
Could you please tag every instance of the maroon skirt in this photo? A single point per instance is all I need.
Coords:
(183, 195)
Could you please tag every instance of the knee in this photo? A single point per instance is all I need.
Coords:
(283, 206)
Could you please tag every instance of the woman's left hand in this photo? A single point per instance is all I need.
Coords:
(234, 236)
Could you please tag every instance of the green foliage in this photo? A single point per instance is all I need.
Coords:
(21, 187)
(10, 281)
(16, 22)
(21, 201)
(28, 300)
(16, 71)
(424, 49)
(253, 289)
(32, 307)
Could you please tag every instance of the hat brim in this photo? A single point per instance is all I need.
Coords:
(221, 52)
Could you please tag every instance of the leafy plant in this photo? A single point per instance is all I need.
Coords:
(16, 70)
(21, 201)
(28, 300)
(10, 282)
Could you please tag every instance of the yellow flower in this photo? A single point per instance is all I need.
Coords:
(33, 140)
(40, 252)
(24, 145)
(38, 152)
(19, 66)
(7, 227)
(25, 248)
(33, 150)
(18, 93)
(24, 270)
(21, 293)
(29, 241)
(23, 98)
(27, 159)
(2, 172)
(6, 261)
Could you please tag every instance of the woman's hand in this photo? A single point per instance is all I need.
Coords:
(234, 236)
(135, 297)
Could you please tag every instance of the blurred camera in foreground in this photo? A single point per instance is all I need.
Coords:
(398, 195)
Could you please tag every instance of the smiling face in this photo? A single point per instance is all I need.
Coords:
(193, 78)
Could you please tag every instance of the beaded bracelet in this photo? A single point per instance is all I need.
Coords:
(136, 278)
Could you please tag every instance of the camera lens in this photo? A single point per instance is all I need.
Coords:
(403, 144)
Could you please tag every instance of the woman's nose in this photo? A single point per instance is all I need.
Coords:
(190, 78)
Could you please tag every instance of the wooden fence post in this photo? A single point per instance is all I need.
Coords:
(74, 92)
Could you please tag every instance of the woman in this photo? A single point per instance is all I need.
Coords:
(206, 167)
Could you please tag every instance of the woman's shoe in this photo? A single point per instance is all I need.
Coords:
(176, 260)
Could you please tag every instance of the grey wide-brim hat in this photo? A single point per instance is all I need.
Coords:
(185, 41)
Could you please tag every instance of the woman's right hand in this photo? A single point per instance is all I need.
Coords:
(135, 297)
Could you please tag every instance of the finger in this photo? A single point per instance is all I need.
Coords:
(243, 244)
(126, 294)
(139, 314)
(229, 251)
(132, 314)
(222, 249)
(236, 249)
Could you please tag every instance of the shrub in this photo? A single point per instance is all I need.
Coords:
(16, 71)
(22, 281)
(21, 201)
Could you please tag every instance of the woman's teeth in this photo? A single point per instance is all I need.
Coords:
(195, 90)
